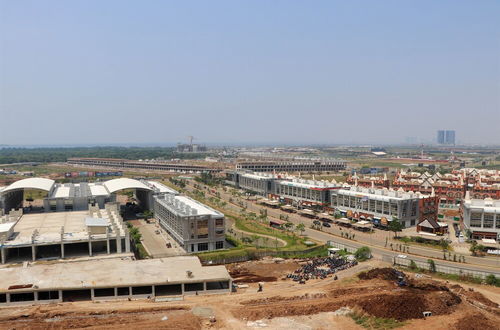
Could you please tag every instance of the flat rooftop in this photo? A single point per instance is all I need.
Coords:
(490, 206)
(82, 189)
(260, 176)
(310, 184)
(185, 206)
(111, 273)
(48, 227)
(380, 194)
(161, 188)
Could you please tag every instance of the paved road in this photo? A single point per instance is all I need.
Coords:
(379, 242)
(156, 244)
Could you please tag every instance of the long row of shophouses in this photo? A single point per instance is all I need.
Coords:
(450, 187)
(359, 201)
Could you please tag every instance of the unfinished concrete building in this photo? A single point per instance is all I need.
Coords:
(46, 236)
(108, 279)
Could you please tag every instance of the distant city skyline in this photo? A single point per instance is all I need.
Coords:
(280, 72)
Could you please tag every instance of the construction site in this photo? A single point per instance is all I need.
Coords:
(77, 269)
(367, 295)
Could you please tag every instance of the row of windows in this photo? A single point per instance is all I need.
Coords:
(204, 246)
(300, 192)
(389, 208)
(251, 184)
(487, 220)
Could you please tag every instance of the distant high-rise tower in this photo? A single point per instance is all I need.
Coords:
(440, 137)
(450, 137)
(446, 137)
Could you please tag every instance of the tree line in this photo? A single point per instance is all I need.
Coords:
(59, 154)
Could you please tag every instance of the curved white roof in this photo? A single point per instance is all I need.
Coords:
(124, 183)
(31, 183)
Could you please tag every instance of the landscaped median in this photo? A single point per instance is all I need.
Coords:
(244, 253)
(253, 238)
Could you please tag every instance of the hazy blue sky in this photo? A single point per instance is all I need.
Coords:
(248, 71)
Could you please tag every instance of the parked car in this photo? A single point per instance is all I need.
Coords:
(317, 222)
(326, 224)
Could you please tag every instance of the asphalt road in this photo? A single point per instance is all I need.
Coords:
(377, 241)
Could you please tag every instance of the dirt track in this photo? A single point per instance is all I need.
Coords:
(284, 304)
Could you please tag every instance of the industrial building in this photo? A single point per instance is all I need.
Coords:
(46, 236)
(193, 225)
(196, 227)
(143, 165)
(107, 279)
(79, 196)
(380, 206)
(481, 217)
(293, 166)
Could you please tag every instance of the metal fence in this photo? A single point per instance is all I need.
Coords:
(461, 271)
(342, 246)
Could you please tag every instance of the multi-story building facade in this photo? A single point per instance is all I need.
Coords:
(449, 188)
(446, 137)
(288, 189)
(369, 181)
(299, 192)
(440, 137)
(293, 166)
(481, 217)
(381, 206)
(196, 227)
(257, 182)
(450, 137)
(482, 183)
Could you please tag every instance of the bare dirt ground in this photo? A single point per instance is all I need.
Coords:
(283, 304)
(263, 271)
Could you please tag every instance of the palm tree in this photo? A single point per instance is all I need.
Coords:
(301, 228)
(147, 214)
(289, 226)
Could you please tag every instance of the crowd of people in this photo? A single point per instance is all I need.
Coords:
(320, 268)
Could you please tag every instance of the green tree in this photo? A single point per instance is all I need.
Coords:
(363, 253)
(395, 226)
(444, 244)
(301, 228)
(492, 280)
(148, 214)
(289, 226)
(432, 265)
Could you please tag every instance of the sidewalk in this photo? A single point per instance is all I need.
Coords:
(378, 238)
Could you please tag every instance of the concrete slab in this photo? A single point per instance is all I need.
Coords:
(111, 273)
